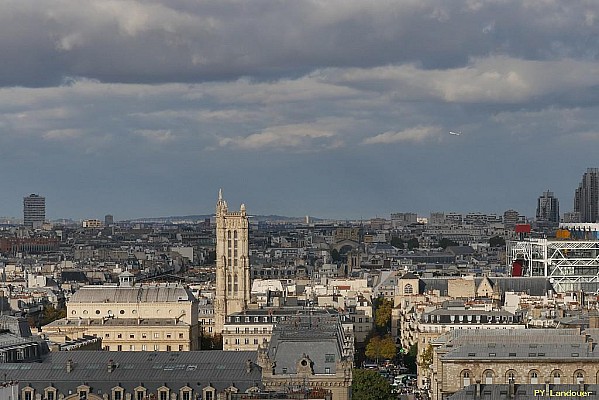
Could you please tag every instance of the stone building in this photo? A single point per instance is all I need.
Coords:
(307, 353)
(233, 285)
(525, 356)
(159, 317)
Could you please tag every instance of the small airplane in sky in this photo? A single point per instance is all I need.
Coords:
(455, 133)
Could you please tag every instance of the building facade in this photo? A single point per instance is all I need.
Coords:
(586, 196)
(34, 211)
(138, 318)
(548, 208)
(233, 285)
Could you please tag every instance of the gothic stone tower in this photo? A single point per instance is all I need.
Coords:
(232, 263)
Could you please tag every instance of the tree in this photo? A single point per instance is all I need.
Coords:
(382, 315)
(426, 358)
(378, 348)
(397, 242)
(413, 243)
(444, 243)
(335, 255)
(370, 385)
(497, 241)
(51, 313)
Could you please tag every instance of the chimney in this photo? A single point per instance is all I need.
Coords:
(248, 366)
(111, 365)
(511, 389)
(69, 365)
(591, 343)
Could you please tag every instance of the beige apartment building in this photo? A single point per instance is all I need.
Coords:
(159, 317)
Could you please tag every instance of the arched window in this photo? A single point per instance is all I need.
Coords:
(465, 378)
(556, 376)
(510, 376)
(236, 284)
(579, 377)
(229, 283)
(488, 375)
(408, 289)
(534, 377)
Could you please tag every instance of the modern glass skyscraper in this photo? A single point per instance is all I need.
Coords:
(548, 208)
(586, 197)
(34, 210)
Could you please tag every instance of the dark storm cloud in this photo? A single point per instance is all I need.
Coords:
(335, 108)
(42, 43)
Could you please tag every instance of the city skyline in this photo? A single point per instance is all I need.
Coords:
(338, 109)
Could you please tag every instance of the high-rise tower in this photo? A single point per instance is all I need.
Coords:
(548, 208)
(232, 262)
(586, 197)
(34, 210)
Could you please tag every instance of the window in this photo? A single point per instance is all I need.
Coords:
(534, 377)
(107, 348)
(489, 377)
(186, 395)
(120, 335)
(156, 335)
(144, 335)
(139, 395)
(180, 347)
(156, 347)
(466, 378)
(180, 336)
(168, 335)
(168, 347)
(119, 347)
(107, 335)
(408, 289)
(284, 370)
(27, 395)
(131, 336)
(329, 358)
(118, 395)
(579, 377)
(556, 377)
(327, 370)
(163, 395)
(144, 347)
(131, 347)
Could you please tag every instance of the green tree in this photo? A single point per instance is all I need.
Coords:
(397, 242)
(426, 358)
(335, 255)
(413, 243)
(410, 359)
(382, 314)
(497, 241)
(370, 385)
(444, 243)
(52, 313)
(378, 348)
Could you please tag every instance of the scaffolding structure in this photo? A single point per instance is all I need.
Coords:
(571, 265)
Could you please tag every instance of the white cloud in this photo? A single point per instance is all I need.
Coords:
(416, 134)
(307, 136)
(62, 134)
(157, 136)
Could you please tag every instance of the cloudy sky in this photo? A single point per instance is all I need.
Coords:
(329, 108)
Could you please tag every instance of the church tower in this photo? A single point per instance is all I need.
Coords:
(232, 262)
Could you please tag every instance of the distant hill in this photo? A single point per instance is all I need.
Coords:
(202, 217)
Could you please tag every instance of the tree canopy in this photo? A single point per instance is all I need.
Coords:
(496, 241)
(369, 385)
(382, 315)
(381, 348)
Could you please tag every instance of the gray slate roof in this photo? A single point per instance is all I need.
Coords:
(124, 294)
(197, 369)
